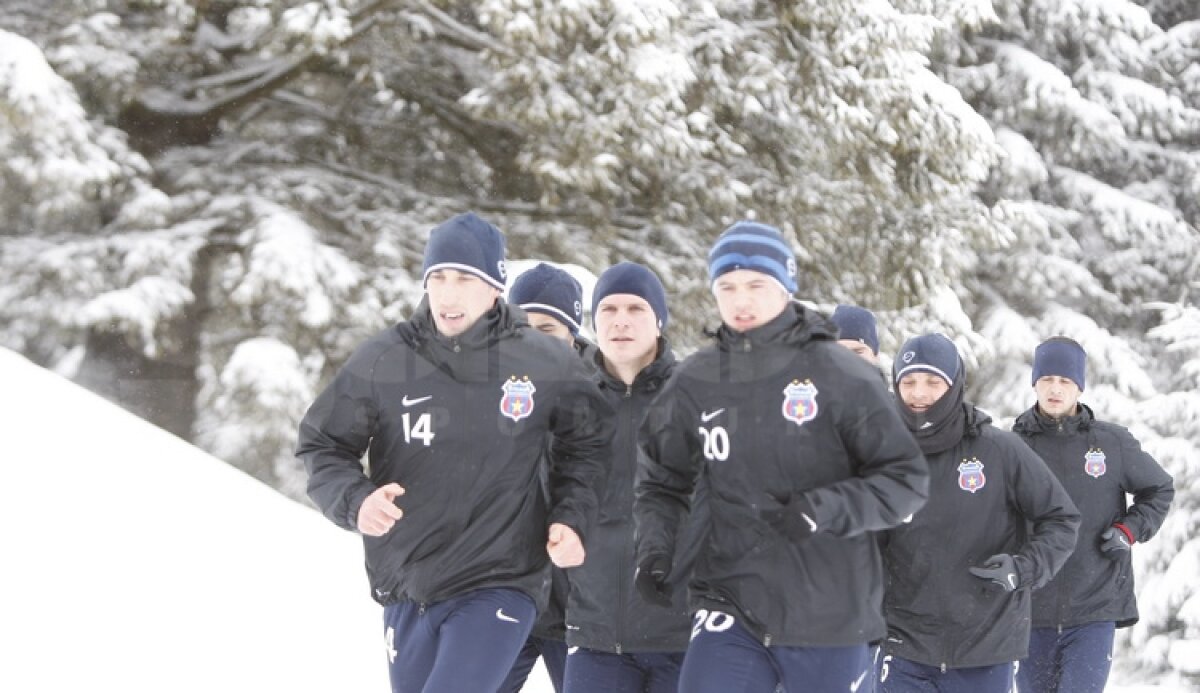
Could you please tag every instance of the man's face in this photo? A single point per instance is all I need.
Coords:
(458, 299)
(1057, 396)
(861, 350)
(920, 390)
(747, 299)
(547, 325)
(626, 330)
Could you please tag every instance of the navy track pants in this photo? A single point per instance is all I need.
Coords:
(1075, 661)
(466, 643)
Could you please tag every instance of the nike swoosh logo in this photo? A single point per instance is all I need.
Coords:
(707, 416)
(409, 402)
(1012, 581)
(858, 682)
(573, 649)
(505, 617)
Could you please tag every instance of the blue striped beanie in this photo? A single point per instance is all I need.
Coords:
(753, 246)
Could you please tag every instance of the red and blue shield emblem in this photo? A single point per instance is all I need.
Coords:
(800, 402)
(1094, 463)
(970, 475)
(517, 402)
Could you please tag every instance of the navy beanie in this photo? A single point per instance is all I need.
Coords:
(857, 324)
(551, 291)
(468, 244)
(632, 278)
(1060, 356)
(930, 353)
(753, 246)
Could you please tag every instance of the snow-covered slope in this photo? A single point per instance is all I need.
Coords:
(133, 561)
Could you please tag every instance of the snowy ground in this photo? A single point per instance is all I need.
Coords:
(135, 562)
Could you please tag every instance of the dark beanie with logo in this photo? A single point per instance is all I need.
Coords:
(632, 278)
(469, 244)
(928, 353)
(750, 245)
(1061, 356)
(857, 324)
(550, 291)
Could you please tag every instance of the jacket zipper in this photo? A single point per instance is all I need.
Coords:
(945, 645)
(622, 567)
(1061, 593)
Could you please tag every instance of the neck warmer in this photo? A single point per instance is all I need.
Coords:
(941, 426)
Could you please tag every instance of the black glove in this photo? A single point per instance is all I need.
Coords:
(1000, 570)
(795, 520)
(651, 580)
(1114, 543)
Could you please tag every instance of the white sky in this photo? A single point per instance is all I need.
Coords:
(134, 561)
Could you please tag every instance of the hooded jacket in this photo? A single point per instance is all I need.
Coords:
(605, 612)
(988, 495)
(779, 416)
(551, 621)
(461, 423)
(1098, 463)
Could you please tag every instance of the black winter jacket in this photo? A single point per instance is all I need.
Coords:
(461, 423)
(551, 621)
(988, 494)
(780, 416)
(605, 612)
(1098, 463)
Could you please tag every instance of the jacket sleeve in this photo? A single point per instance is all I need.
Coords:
(582, 430)
(1051, 516)
(334, 435)
(1152, 488)
(892, 481)
(666, 473)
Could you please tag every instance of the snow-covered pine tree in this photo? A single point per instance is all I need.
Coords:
(822, 118)
(177, 300)
(1096, 108)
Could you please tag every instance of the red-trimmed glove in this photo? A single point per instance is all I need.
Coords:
(1116, 541)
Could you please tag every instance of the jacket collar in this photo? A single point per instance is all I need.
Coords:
(977, 419)
(500, 321)
(1033, 422)
(648, 379)
(796, 325)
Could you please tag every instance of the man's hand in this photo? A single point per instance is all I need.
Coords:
(1115, 542)
(564, 546)
(651, 580)
(793, 519)
(378, 512)
(1000, 570)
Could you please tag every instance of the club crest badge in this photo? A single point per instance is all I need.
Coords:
(970, 475)
(1094, 463)
(800, 402)
(517, 402)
